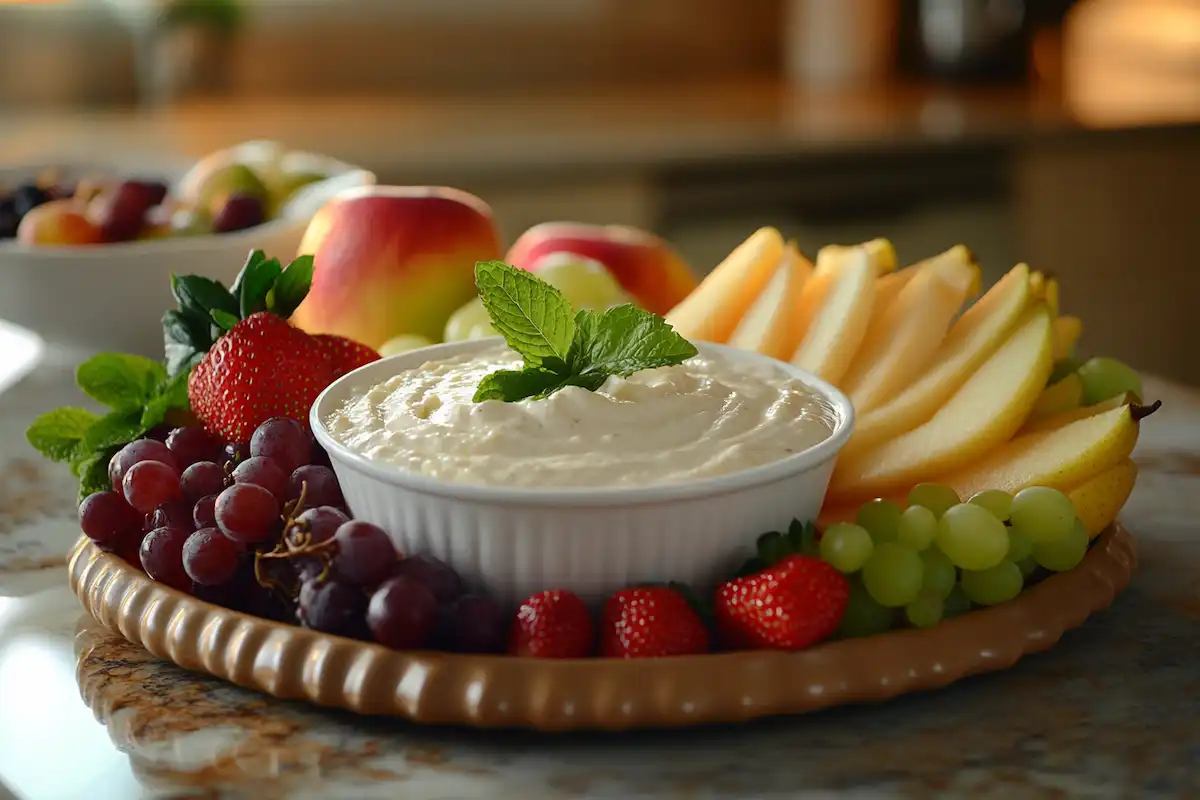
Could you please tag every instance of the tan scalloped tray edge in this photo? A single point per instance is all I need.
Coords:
(497, 691)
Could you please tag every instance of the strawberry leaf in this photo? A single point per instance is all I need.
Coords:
(291, 287)
(186, 338)
(254, 283)
(225, 321)
(199, 295)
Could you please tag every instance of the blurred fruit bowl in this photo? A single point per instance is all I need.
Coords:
(83, 277)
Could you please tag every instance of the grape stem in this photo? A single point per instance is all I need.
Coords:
(296, 542)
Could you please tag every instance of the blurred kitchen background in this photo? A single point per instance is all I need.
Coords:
(1060, 133)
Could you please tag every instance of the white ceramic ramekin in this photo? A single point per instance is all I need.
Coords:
(519, 541)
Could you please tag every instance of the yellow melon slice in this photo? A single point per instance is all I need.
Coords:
(971, 340)
(1058, 397)
(984, 413)
(835, 310)
(880, 251)
(1051, 421)
(903, 337)
(1051, 294)
(1066, 333)
(771, 325)
(712, 311)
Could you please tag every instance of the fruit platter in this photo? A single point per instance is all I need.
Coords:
(571, 485)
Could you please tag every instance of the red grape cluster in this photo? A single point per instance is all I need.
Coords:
(262, 527)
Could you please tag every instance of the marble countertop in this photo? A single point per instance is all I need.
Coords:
(1112, 711)
(413, 138)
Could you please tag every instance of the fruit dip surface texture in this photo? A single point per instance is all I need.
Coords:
(706, 417)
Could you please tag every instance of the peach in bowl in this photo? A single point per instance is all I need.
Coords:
(90, 252)
(667, 473)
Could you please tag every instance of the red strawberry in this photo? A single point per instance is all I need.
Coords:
(552, 624)
(651, 622)
(789, 606)
(261, 368)
(345, 355)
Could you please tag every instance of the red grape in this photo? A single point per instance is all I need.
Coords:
(331, 606)
(443, 581)
(240, 211)
(162, 557)
(365, 553)
(132, 453)
(263, 472)
(122, 213)
(321, 522)
(474, 624)
(321, 486)
(247, 513)
(172, 514)
(321, 458)
(149, 484)
(193, 444)
(283, 440)
(107, 519)
(204, 513)
(202, 479)
(209, 557)
(402, 613)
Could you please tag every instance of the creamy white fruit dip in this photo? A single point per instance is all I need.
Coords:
(709, 416)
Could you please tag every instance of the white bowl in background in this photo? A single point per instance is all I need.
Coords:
(514, 542)
(112, 296)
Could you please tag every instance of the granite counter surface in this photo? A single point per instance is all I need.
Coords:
(1112, 711)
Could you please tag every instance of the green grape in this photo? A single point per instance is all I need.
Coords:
(997, 501)
(880, 518)
(1020, 546)
(403, 344)
(925, 611)
(846, 547)
(971, 537)
(956, 603)
(917, 528)
(893, 574)
(863, 616)
(1044, 514)
(1105, 378)
(1029, 564)
(934, 497)
(1063, 368)
(469, 322)
(1060, 555)
(938, 575)
(990, 587)
(584, 282)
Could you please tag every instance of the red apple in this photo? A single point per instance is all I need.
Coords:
(394, 260)
(58, 222)
(645, 265)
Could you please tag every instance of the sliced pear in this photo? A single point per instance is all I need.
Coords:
(903, 338)
(771, 325)
(887, 287)
(1037, 285)
(1051, 295)
(835, 310)
(1061, 458)
(1067, 331)
(984, 413)
(971, 340)
(1100, 499)
(1058, 397)
(880, 251)
(1052, 421)
(713, 309)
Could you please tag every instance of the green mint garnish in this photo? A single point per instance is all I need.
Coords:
(207, 309)
(138, 393)
(561, 347)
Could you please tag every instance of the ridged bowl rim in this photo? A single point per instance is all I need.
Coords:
(294, 663)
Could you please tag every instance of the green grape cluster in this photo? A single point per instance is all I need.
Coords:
(939, 556)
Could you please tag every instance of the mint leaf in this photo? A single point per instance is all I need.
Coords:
(119, 380)
(291, 287)
(532, 316)
(115, 429)
(93, 473)
(56, 434)
(624, 340)
(516, 384)
(171, 394)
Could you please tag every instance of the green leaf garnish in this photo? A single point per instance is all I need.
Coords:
(291, 287)
(56, 434)
(119, 380)
(561, 348)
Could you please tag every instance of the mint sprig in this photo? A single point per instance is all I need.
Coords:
(139, 395)
(561, 347)
(207, 309)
